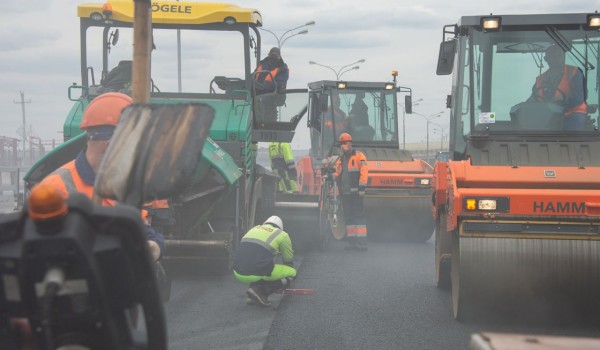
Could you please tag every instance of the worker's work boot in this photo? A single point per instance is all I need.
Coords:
(274, 287)
(352, 244)
(256, 293)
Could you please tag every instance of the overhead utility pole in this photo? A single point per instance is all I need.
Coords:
(22, 103)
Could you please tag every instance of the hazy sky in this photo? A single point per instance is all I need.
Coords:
(39, 49)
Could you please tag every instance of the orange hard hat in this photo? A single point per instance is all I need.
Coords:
(345, 137)
(105, 110)
(46, 202)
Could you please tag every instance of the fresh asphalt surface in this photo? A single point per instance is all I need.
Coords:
(384, 298)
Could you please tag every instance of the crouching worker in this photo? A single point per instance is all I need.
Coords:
(254, 261)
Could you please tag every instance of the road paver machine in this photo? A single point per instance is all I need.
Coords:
(230, 192)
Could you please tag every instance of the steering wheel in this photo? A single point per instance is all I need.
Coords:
(537, 97)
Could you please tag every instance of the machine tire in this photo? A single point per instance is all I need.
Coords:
(442, 266)
(164, 282)
(324, 231)
(460, 309)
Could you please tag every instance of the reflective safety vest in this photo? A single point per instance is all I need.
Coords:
(358, 171)
(282, 157)
(339, 117)
(564, 86)
(267, 77)
(68, 180)
(272, 239)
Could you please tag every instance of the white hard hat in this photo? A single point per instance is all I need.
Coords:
(274, 220)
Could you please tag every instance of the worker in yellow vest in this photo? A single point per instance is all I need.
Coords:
(284, 166)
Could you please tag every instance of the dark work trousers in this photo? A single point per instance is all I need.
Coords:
(354, 214)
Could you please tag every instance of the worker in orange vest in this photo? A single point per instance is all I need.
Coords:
(352, 174)
(99, 122)
(334, 123)
(562, 84)
(279, 73)
(270, 81)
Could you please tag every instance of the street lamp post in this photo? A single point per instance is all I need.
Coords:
(441, 130)
(428, 119)
(282, 38)
(338, 73)
(404, 121)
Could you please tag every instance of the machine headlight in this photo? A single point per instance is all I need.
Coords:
(486, 204)
(229, 20)
(490, 23)
(594, 21)
(424, 181)
(495, 204)
(341, 85)
(96, 16)
(389, 86)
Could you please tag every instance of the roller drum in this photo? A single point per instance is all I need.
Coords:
(406, 218)
(507, 271)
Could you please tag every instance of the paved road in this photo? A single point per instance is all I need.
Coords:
(381, 299)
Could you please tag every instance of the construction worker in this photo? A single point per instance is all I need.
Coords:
(270, 80)
(562, 84)
(284, 166)
(99, 121)
(254, 261)
(334, 122)
(359, 108)
(358, 119)
(351, 174)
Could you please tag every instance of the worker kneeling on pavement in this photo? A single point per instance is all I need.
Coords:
(255, 261)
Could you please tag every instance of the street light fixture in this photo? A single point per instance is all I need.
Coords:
(347, 70)
(299, 33)
(282, 38)
(416, 103)
(428, 119)
(338, 73)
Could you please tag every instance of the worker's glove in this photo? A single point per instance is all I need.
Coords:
(290, 264)
(154, 250)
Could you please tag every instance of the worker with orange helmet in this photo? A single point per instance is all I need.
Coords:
(352, 174)
(99, 122)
